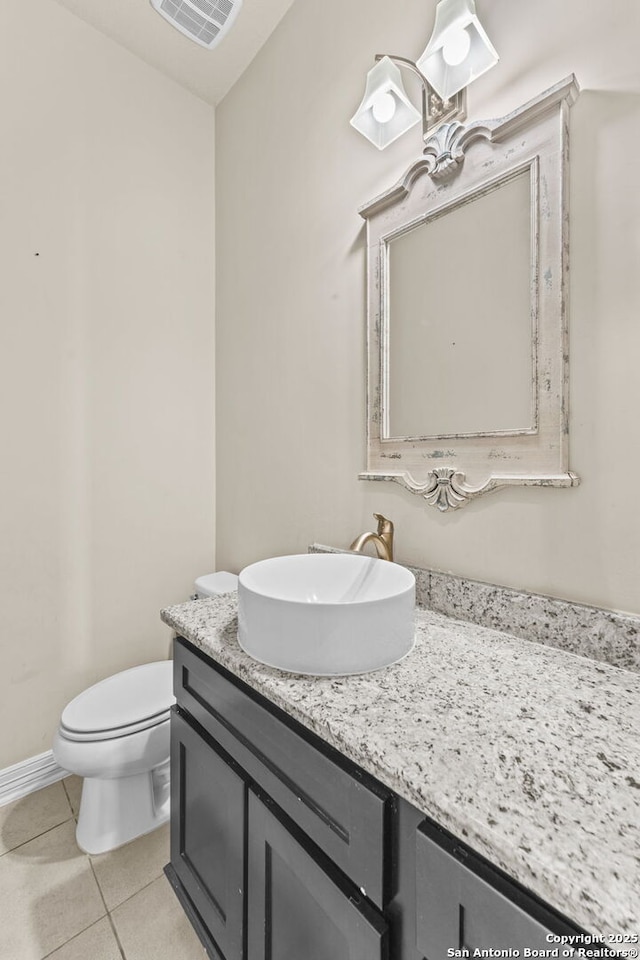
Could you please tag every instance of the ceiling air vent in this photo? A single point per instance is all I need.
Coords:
(205, 21)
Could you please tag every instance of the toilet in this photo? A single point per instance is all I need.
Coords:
(116, 736)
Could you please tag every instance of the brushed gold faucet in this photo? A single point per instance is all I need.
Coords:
(382, 540)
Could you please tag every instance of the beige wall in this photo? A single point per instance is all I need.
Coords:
(291, 174)
(106, 358)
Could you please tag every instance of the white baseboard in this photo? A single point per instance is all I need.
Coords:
(29, 775)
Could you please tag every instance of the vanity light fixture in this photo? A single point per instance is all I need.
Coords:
(386, 111)
(458, 52)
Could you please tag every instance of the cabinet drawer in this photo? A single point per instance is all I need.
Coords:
(456, 908)
(339, 807)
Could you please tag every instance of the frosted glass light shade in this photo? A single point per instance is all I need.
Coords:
(444, 63)
(386, 111)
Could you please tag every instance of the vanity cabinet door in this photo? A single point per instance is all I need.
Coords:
(208, 800)
(300, 909)
(458, 909)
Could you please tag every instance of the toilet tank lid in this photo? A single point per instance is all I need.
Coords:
(213, 584)
(123, 699)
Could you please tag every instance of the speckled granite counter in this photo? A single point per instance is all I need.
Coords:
(529, 753)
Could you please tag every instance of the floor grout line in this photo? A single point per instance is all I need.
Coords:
(36, 836)
(73, 813)
(132, 895)
(115, 934)
(75, 937)
(95, 877)
(108, 912)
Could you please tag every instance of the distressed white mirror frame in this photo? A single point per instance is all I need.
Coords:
(460, 163)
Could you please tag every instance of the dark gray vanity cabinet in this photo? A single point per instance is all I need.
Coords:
(273, 840)
(282, 849)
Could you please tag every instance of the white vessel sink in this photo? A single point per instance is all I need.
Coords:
(326, 614)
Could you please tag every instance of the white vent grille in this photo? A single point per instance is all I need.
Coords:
(205, 21)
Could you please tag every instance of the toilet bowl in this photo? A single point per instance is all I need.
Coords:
(116, 736)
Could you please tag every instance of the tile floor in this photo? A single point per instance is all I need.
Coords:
(59, 903)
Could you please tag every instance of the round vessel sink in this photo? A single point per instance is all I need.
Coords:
(326, 614)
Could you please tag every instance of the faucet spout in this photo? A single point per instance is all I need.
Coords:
(382, 540)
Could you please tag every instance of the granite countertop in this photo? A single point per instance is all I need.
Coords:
(529, 753)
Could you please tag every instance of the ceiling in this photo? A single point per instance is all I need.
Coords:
(208, 73)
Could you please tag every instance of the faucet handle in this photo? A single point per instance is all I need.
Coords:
(384, 524)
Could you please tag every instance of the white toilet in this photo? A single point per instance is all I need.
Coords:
(116, 736)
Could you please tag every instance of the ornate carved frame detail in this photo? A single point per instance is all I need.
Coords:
(462, 162)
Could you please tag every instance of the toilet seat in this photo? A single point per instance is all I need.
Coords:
(111, 734)
(119, 706)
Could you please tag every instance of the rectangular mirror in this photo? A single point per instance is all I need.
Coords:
(467, 267)
(456, 365)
